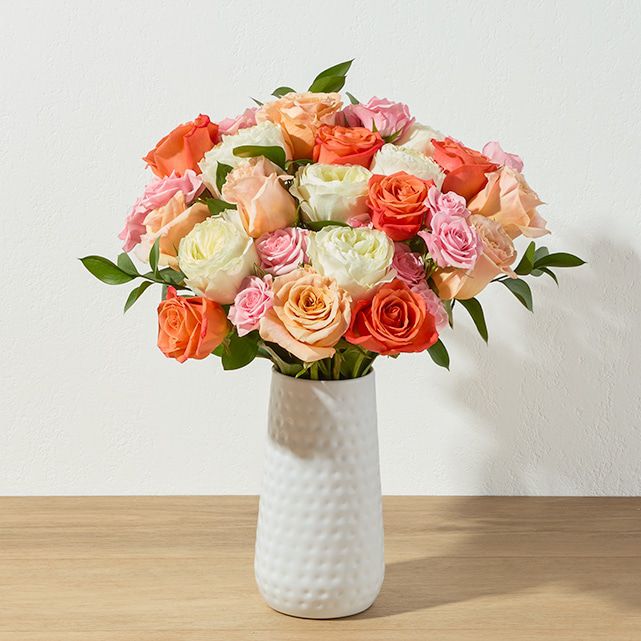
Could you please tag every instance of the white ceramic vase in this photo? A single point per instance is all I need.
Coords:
(319, 540)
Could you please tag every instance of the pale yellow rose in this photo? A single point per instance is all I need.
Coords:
(508, 199)
(310, 314)
(498, 254)
(300, 115)
(171, 223)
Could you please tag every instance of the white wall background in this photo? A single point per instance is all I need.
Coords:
(90, 406)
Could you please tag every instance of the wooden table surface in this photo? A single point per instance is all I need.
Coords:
(458, 569)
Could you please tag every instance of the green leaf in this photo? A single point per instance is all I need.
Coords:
(216, 206)
(449, 308)
(154, 255)
(527, 261)
(550, 273)
(171, 276)
(126, 264)
(475, 310)
(520, 289)
(317, 225)
(104, 270)
(328, 84)
(352, 99)
(240, 350)
(439, 354)
(221, 175)
(136, 293)
(281, 91)
(540, 252)
(258, 102)
(560, 259)
(334, 72)
(275, 154)
(293, 165)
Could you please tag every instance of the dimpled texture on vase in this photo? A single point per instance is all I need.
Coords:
(319, 541)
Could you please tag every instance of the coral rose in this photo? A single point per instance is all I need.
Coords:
(310, 314)
(264, 204)
(465, 168)
(300, 115)
(396, 320)
(345, 146)
(509, 200)
(190, 327)
(398, 203)
(183, 148)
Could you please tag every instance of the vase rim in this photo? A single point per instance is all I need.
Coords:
(367, 376)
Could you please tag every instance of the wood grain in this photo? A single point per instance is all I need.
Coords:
(458, 569)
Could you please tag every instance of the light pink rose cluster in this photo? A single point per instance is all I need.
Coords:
(231, 126)
(252, 302)
(157, 194)
(451, 240)
(408, 265)
(495, 153)
(433, 303)
(385, 116)
(282, 251)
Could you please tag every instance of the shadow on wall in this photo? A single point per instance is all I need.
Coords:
(577, 389)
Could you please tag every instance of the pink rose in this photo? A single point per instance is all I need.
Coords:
(252, 302)
(231, 126)
(495, 153)
(450, 203)
(361, 220)
(452, 242)
(408, 265)
(283, 250)
(433, 303)
(157, 194)
(389, 118)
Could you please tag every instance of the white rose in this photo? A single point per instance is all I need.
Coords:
(266, 134)
(331, 192)
(358, 259)
(216, 255)
(419, 138)
(389, 159)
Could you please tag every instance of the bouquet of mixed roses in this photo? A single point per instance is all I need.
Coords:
(320, 236)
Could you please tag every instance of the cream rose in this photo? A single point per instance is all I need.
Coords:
(216, 256)
(310, 314)
(358, 259)
(419, 138)
(390, 159)
(266, 134)
(331, 192)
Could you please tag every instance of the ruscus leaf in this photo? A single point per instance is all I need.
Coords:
(104, 270)
(126, 264)
(221, 175)
(352, 99)
(559, 259)
(439, 354)
(521, 290)
(281, 91)
(154, 256)
(527, 261)
(475, 310)
(335, 71)
(275, 154)
(136, 293)
(216, 206)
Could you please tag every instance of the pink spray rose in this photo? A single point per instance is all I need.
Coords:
(388, 117)
(283, 250)
(361, 220)
(252, 302)
(408, 265)
(433, 303)
(495, 153)
(449, 203)
(231, 126)
(157, 194)
(452, 242)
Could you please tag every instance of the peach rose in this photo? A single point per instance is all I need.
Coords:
(497, 255)
(310, 314)
(300, 115)
(257, 189)
(183, 148)
(465, 167)
(509, 200)
(396, 320)
(190, 327)
(346, 146)
(171, 224)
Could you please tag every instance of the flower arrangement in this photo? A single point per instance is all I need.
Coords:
(320, 236)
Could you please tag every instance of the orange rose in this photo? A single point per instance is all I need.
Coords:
(183, 148)
(398, 203)
(310, 314)
(300, 115)
(346, 146)
(396, 320)
(264, 204)
(190, 327)
(509, 200)
(465, 168)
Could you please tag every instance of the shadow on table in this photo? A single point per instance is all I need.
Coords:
(577, 392)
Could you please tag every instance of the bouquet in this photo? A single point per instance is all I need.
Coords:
(321, 235)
